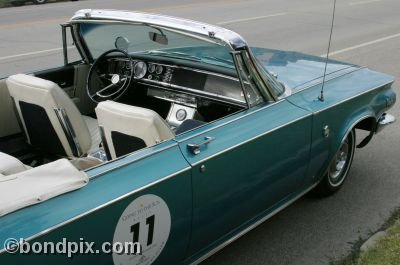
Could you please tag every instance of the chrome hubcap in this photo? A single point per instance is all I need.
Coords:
(338, 166)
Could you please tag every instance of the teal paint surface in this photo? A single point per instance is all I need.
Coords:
(259, 159)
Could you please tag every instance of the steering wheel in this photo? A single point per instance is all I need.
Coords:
(112, 78)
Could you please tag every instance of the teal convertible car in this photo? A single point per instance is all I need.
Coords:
(171, 134)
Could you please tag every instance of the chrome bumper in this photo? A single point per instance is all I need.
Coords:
(385, 120)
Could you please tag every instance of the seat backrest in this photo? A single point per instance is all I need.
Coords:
(8, 118)
(126, 128)
(50, 119)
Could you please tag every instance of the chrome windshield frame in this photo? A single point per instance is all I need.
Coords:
(232, 39)
(209, 32)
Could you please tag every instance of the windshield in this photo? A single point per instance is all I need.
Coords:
(145, 39)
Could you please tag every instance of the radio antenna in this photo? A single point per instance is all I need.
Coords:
(321, 96)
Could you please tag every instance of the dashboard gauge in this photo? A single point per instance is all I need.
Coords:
(159, 69)
(140, 69)
(152, 68)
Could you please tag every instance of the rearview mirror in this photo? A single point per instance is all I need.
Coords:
(159, 38)
(122, 43)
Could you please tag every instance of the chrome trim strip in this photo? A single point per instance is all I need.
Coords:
(233, 120)
(208, 94)
(350, 98)
(68, 131)
(267, 84)
(250, 139)
(46, 231)
(152, 88)
(252, 226)
(102, 21)
(193, 92)
(239, 69)
(326, 79)
(353, 125)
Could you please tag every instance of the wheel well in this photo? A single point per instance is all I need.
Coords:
(368, 124)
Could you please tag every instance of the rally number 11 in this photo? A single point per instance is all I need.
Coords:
(136, 228)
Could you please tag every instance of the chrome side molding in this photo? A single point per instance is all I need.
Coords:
(69, 131)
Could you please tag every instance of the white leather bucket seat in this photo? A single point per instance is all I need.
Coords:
(49, 118)
(126, 128)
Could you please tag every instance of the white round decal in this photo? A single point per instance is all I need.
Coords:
(146, 220)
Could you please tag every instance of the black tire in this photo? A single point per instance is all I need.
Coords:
(338, 169)
(39, 2)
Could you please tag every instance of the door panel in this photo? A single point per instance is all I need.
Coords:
(62, 76)
(254, 161)
(86, 105)
(72, 79)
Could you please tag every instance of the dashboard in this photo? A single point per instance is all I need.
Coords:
(181, 85)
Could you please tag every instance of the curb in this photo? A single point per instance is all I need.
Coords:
(371, 242)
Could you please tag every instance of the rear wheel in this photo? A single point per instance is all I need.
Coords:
(338, 168)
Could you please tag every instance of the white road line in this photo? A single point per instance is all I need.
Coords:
(250, 19)
(365, 44)
(220, 23)
(363, 2)
(32, 53)
(35, 8)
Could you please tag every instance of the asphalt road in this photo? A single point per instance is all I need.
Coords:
(366, 33)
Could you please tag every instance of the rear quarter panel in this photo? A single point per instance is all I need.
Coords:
(93, 212)
(347, 100)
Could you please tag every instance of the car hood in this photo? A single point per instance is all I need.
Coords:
(297, 70)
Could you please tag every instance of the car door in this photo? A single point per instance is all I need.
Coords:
(245, 164)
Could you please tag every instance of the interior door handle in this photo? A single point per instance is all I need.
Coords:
(195, 148)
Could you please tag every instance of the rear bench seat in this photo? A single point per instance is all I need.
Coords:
(22, 186)
(10, 165)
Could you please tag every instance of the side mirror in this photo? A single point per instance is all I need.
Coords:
(159, 38)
